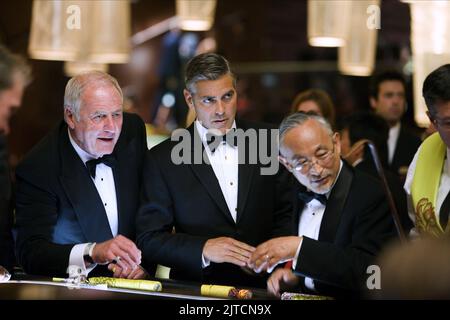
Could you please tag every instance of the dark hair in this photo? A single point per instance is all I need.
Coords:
(321, 98)
(436, 87)
(367, 125)
(9, 64)
(206, 66)
(381, 77)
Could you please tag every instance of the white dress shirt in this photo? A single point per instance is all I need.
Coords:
(309, 225)
(104, 183)
(394, 132)
(224, 162)
(444, 188)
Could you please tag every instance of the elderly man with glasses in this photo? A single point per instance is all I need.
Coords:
(428, 181)
(342, 217)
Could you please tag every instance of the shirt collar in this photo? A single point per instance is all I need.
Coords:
(81, 153)
(202, 131)
(395, 130)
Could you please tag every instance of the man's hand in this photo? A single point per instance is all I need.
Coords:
(270, 253)
(226, 249)
(119, 250)
(281, 279)
(138, 273)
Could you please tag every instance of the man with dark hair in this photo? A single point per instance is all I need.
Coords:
(428, 181)
(220, 208)
(355, 131)
(387, 98)
(14, 76)
(78, 189)
(342, 218)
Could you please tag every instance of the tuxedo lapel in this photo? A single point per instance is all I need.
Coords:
(245, 175)
(398, 152)
(298, 205)
(335, 205)
(81, 192)
(124, 150)
(205, 174)
(246, 172)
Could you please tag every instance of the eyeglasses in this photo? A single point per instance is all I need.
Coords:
(304, 165)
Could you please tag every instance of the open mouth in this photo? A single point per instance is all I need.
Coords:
(106, 139)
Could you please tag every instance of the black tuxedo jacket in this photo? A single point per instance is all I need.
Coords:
(396, 188)
(7, 258)
(356, 224)
(188, 197)
(57, 202)
(406, 148)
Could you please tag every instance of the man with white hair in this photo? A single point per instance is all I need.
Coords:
(78, 189)
(342, 216)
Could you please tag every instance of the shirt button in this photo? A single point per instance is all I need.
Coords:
(231, 183)
(105, 204)
(101, 179)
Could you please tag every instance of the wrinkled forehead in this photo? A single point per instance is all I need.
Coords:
(306, 139)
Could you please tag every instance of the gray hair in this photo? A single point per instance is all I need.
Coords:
(298, 119)
(11, 64)
(78, 84)
(206, 66)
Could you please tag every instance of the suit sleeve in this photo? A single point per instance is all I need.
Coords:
(346, 267)
(36, 217)
(155, 222)
(6, 216)
(283, 219)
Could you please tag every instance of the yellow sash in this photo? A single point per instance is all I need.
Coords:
(425, 185)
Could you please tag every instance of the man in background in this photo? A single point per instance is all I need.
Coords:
(14, 76)
(387, 98)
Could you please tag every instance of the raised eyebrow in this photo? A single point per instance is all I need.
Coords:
(231, 92)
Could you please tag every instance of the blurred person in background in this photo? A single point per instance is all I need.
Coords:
(14, 76)
(315, 101)
(388, 100)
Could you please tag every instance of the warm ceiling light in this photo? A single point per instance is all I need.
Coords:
(430, 42)
(88, 31)
(357, 56)
(327, 22)
(196, 15)
(73, 68)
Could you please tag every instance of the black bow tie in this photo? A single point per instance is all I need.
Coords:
(214, 140)
(107, 159)
(308, 196)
